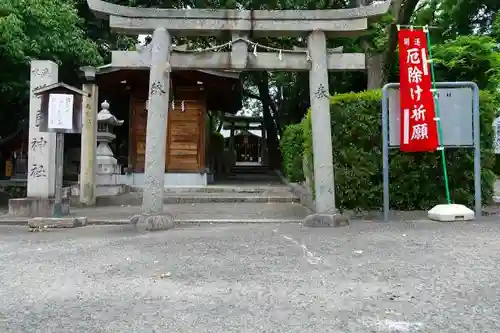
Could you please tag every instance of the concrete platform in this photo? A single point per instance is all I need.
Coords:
(190, 214)
(35, 207)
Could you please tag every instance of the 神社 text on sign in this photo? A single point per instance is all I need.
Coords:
(418, 123)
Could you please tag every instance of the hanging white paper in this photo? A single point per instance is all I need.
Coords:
(60, 111)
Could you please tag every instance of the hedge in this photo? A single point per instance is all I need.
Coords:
(11, 192)
(416, 179)
(292, 149)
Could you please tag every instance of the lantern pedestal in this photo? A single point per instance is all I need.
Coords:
(325, 220)
(108, 168)
(451, 213)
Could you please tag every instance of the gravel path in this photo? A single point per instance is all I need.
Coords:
(398, 277)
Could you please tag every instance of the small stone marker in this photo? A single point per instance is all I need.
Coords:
(451, 213)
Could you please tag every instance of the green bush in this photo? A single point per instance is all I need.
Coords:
(308, 152)
(496, 168)
(217, 141)
(291, 144)
(416, 179)
(216, 152)
(11, 192)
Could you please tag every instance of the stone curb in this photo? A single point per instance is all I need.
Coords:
(215, 199)
(57, 222)
(126, 221)
(238, 221)
(199, 221)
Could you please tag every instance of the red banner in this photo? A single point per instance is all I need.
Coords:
(418, 125)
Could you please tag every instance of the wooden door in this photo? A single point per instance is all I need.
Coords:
(185, 145)
(137, 142)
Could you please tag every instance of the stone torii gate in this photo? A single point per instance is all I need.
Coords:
(161, 57)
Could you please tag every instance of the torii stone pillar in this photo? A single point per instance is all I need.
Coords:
(153, 216)
(324, 180)
(321, 126)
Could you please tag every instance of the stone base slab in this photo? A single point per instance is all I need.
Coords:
(451, 213)
(110, 190)
(153, 222)
(57, 222)
(35, 207)
(325, 220)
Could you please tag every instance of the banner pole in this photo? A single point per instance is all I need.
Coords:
(438, 117)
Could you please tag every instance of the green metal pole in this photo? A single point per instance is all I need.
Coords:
(438, 116)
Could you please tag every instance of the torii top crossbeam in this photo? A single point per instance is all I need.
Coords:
(196, 22)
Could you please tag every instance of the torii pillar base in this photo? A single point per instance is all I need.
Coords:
(153, 222)
(325, 220)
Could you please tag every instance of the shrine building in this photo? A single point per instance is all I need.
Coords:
(192, 95)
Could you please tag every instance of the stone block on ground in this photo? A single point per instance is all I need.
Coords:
(326, 220)
(57, 222)
(450, 213)
(153, 222)
(110, 190)
(35, 207)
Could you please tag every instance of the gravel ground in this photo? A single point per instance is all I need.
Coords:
(398, 277)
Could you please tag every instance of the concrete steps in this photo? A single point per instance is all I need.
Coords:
(254, 189)
(248, 174)
(251, 169)
(207, 195)
(253, 197)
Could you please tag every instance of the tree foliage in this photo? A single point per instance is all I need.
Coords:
(456, 18)
(38, 29)
(469, 58)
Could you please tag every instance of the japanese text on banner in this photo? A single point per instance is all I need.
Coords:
(418, 124)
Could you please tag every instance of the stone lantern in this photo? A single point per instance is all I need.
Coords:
(108, 168)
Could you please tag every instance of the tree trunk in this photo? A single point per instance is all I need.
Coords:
(270, 126)
(375, 70)
(379, 66)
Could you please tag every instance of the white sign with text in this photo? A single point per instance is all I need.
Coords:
(60, 111)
